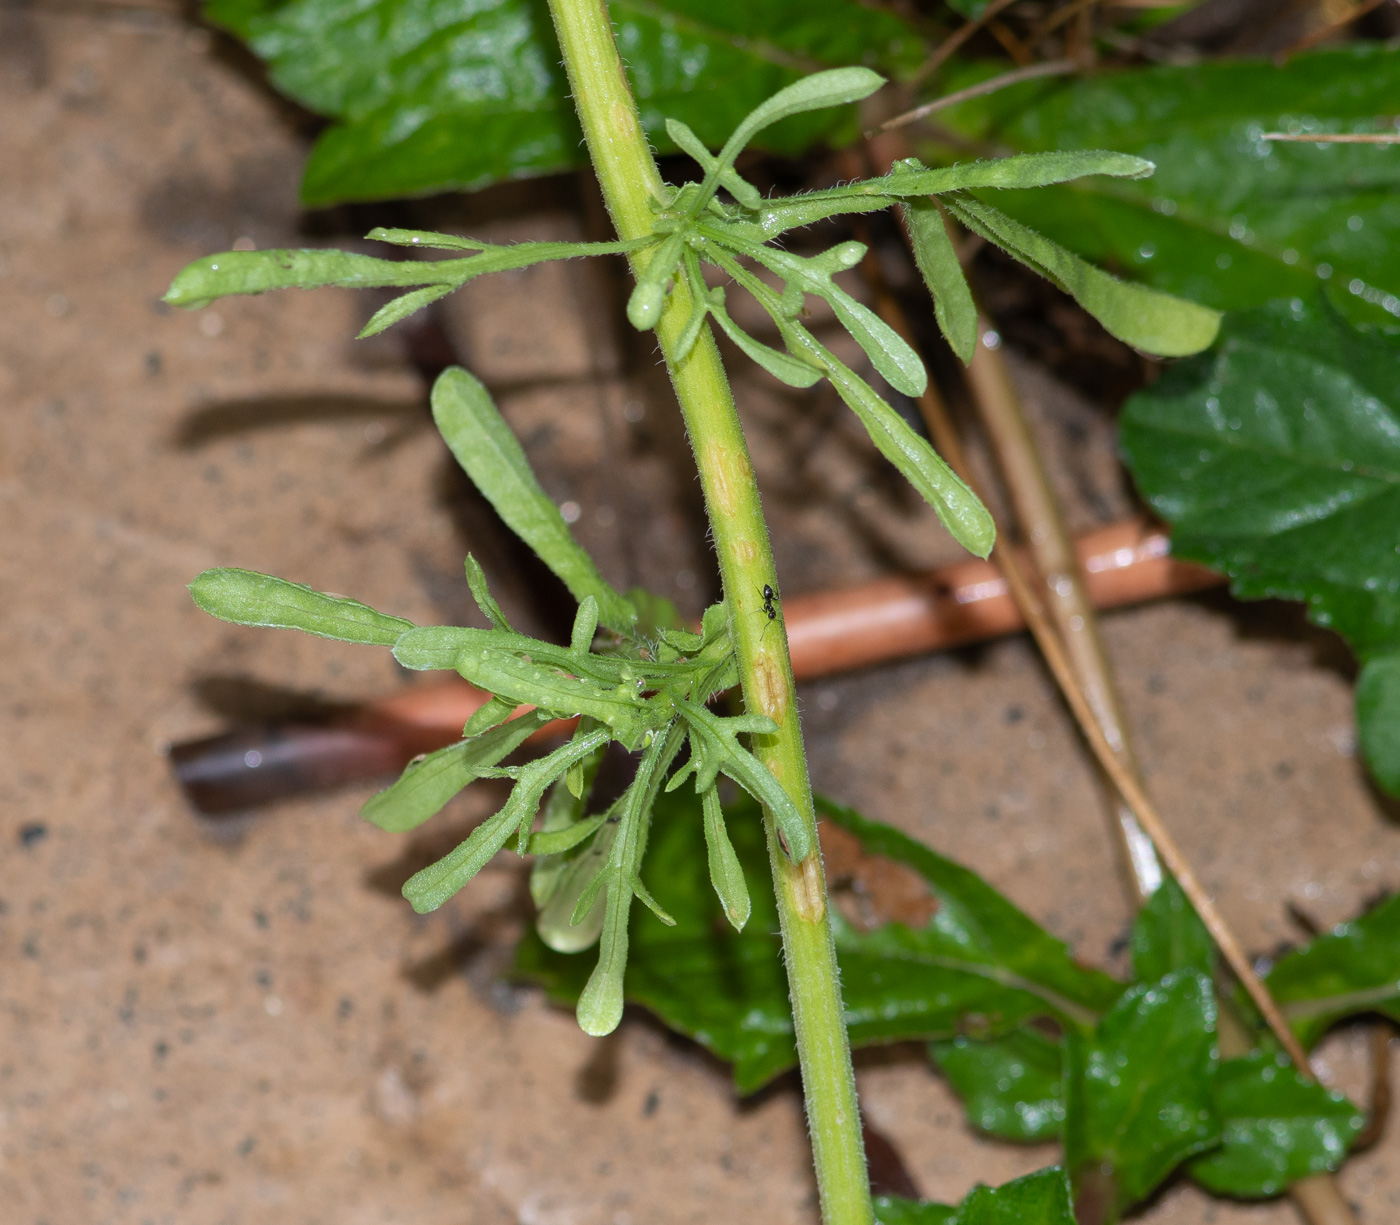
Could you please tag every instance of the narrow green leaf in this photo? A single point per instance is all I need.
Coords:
(248, 598)
(585, 626)
(897, 363)
(1011, 1086)
(648, 296)
(401, 308)
(427, 783)
(958, 507)
(782, 366)
(1278, 1128)
(493, 711)
(938, 264)
(481, 594)
(1168, 935)
(910, 180)
(960, 510)
(562, 808)
(726, 873)
(715, 737)
(425, 238)
(643, 895)
(600, 1005)
(744, 192)
(430, 888)
(834, 87)
(556, 924)
(253, 272)
(1148, 319)
(1139, 1095)
(1354, 968)
(485, 447)
(556, 842)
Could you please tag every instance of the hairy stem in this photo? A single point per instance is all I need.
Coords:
(630, 180)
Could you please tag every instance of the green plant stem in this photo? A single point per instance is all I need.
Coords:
(630, 180)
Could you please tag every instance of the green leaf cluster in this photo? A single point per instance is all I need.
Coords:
(1230, 219)
(694, 227)
(645, 687)
(1037, 1046)
(1276, 458)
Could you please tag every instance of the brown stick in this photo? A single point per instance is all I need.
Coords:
(1337, 138)
(1051, 68)
(1311, 40)
(956, 40)
(1063, 584)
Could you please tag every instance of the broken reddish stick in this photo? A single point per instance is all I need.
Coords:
(828, 631)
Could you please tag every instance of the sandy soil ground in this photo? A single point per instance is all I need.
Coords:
(218, 1024)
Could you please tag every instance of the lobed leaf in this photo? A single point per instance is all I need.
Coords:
(1011, 1086)
(1148, 319)
(427, 783)
(1278, 1128)
(1139, 1096)
(485, 447)
(430, 888)
(1354, 968)
(248, 598)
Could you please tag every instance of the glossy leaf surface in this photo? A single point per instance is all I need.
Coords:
(445, 95)
(1278, 1128)
(1354, 968)
(1168, 935)
(1276, 459)
(1042, 1198)
(1011, 1086)
(979, 961)
(1229, 219)
(1139, 1098)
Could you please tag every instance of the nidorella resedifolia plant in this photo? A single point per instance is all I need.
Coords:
(631, 672)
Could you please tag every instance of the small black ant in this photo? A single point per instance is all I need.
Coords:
(769, 595)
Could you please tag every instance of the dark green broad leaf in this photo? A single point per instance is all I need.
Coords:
(897, 1210)
(248, 598)
(1168, 935)
(447, 95)
(1011, 1086)
(1278, 1128)
(1378, 718)
(1229, 219)
(1042, 1198)
(1276, 458)
(1139, 1090)
(980, 963)
(1354, 968)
